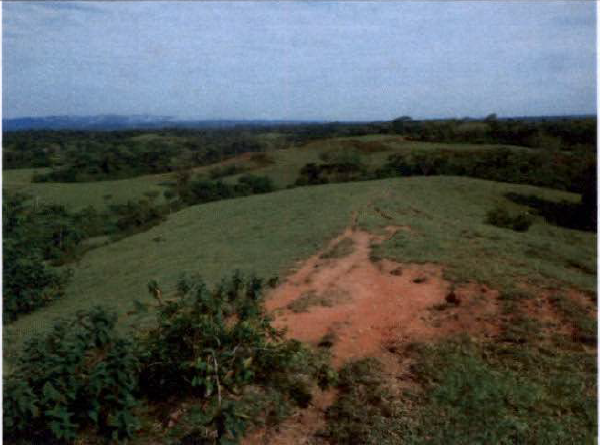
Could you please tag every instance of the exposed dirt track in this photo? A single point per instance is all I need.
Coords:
(368, 309)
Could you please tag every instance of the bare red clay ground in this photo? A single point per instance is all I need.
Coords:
(385, 307)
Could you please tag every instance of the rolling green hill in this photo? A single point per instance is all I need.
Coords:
(77, 195)
(283, 167)
(268, 234)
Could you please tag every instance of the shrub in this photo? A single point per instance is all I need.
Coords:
(501, 218)
(572, 215)
(262, 159)
(252, 184)
(137, 216)
(31, 236)
(81, 374)
(218, 344)
(226, 170)
(27, 282)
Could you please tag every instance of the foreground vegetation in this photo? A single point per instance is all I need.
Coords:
(215, 349)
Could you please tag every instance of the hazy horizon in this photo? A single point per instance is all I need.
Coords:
(299, 61)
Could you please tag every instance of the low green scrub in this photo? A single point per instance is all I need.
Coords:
(81, 375)
(331, 172)
(549, 133)
(470, 393)
(28, 283)
(529, 385)
(214, 348)
(204, 190)
(563, 171)
(494, 393)
(226, 170)
(32, 236)
(585, 326)
(567, 214)
(501, 218)
(218, 345)
(364, 412)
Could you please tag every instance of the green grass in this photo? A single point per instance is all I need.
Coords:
(288, 163)
(82, 194)
(283, 171)
(268, 234)
(502, 394)
(341, 249)
(447, 218)
(469, 393)
(364, 412)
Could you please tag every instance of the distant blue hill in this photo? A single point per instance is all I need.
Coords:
(133, 122)
(112, 122)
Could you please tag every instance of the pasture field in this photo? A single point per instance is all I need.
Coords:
(373, 151)
(269, 234)
(78, 195)
(284, 168)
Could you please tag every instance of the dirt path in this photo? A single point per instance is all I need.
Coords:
(359, 308)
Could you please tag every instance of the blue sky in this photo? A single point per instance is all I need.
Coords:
(293, 60)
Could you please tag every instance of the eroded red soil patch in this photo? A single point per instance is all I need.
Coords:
(386, 302)
(385, 307)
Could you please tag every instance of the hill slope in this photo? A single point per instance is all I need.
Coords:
(269, 234)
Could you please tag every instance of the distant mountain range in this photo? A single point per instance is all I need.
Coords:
(110, 122)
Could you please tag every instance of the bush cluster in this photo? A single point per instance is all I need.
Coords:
(95, 156)
(32, 236)
(226, 170)
(81, 374)
(215, 345)
(206, 190)
(541, 133)
(501, 218)
(572, 215)
(563, 171)
(314, 174)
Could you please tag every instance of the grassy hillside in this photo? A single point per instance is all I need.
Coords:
(79, 195)
(373, 151)
(283, 167)
(268, 234)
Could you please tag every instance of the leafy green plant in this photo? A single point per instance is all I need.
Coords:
(81, 374)
(217, 343)
(27, 282)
